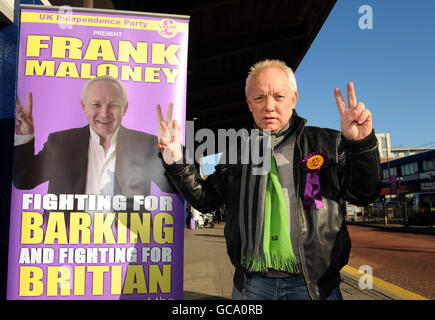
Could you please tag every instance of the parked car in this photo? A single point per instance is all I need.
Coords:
(422, 208)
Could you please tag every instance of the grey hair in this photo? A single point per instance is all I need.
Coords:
(105, 78)
(261, 65)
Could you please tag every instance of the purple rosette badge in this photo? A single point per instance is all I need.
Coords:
(312, 164)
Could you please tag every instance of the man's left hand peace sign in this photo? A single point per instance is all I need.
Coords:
(356, 120)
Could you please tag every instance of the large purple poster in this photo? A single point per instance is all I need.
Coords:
(92, 213)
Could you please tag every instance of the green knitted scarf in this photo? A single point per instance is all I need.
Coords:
(277, 250)
(276, 239)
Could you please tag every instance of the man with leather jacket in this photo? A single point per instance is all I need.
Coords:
(285, 229)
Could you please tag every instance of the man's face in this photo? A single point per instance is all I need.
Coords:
(104, 107)
(270, 99)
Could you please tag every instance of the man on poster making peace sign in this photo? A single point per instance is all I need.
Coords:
(285, 229)
(103, 157)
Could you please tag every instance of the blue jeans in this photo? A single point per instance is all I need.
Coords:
(261, 288)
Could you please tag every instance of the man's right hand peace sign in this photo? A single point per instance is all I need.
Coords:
(169, 136)
(24, 117)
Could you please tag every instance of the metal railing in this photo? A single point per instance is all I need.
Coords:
(386, 213)
(393, 213)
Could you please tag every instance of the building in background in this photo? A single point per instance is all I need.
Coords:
(388, 153)
(408, 175)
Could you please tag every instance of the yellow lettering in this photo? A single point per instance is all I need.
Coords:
(151, 74)
(31, 231)
(85, 71)
(98, 278)
(134, 272)
(46, 67)
(127, 73)
(162, 234)
(79, 280)
(171, 75)
(116, 280)
(104, 67)
(127, 50)
(58, 276)
(141, 227)
(67, 68)
(30, 282)
(103, 228)
(160, 54)
(56, 229)
(79, 224)
(62, 44)
(100, 48)
(122, 227)
(34, 45)
(161, 279)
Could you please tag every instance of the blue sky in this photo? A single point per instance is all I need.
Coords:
(391, 65)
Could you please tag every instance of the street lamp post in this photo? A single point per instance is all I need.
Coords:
(388, 164)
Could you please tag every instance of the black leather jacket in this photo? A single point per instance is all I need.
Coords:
(352, 173)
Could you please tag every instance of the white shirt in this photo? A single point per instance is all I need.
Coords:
(100, 178)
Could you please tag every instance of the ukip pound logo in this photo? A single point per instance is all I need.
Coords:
(315, 162)
(167, 28)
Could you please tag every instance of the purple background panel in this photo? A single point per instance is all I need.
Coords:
(56, 107)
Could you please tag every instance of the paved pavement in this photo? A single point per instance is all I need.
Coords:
(208, 273)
